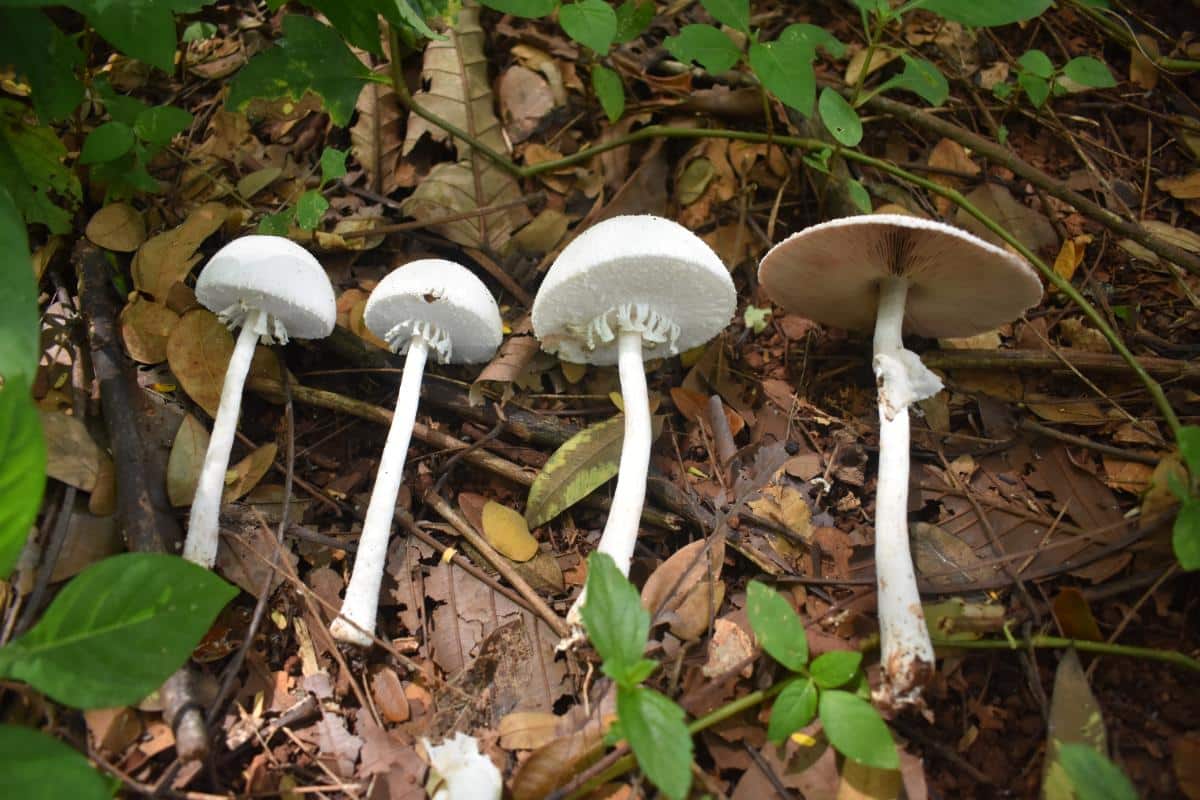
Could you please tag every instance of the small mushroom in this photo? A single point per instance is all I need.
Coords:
(273, 289)
(889, 272)
(425, 307)
(628, 289)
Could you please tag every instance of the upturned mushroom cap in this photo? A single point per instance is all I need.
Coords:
(662, 271)
(271, 274)
(959, 285)
(442, 294)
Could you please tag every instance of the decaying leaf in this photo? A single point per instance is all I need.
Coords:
(118, 227)
(1074, 717)
(507, 531)
(246, 474)
(145, 326)
(949, 155)
(187, 456)
(198, 352)
(686, 591)
(458, 187)
(377, 136)
(1029, 227)
(582, 464)
(72, 456)
(944, 560)
(167, 258)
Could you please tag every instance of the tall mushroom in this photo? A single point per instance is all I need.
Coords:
(891, 272)
(273, 289)
(627, 289)
(427, 306)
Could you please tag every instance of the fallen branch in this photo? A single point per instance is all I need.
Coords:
(1105, 363)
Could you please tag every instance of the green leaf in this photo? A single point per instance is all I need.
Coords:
(1093, 776)
(333, 164)
(592, 23)
(276, 224)
(22, 454)
(734, 13)
(31, 168)
(108, 142)
(835, 668)
(20, 342)
(159, 125)
(578, 467)
(309, 57)
(1036, 89)
(977, 14)
(776, 626)
(923, 79)
(617, 625)
(409, 16)
(143, 29)
(34, 766)
(1088, 71)
(855, 729)
(802, 34)
(198, 32)
(1189, 448)
(606, 83)
(787, 72)
(755, 318)
(1185, 534)
(859, 196)
(117, 630)
(655, 729)
(41, 54)
(120, 107)
(633, 17)
(522, 8)
(1036, 62)
(840, 118)
(794, 708)
(310, 208)
(706, 45)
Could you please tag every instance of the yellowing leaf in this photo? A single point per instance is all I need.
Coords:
(506, 531)
(581, 465)
(118, 227)
(1184, 187)
(187, 456)
(527, 730)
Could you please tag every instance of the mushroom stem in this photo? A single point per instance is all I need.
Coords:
(906, 651)
(200, 547)
(356, 624)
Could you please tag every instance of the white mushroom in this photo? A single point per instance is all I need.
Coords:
(890, 272)
(425, 307)
(273, 289)
(627, 289)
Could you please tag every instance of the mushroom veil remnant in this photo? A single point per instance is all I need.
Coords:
(893, 273)
(428, 307)
(273, 289)
(628, 289)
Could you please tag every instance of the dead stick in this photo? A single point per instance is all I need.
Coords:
(143, 511)
(1046, 360)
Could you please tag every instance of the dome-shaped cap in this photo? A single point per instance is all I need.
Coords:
(272, 274)
(959, 285)
(444, 294)
(641, 261)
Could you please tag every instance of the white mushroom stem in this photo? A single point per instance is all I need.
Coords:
(356, 624)
(200, 547)
(625, 515)
(906, 651)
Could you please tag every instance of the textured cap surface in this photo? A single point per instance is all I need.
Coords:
(632, 260)
(443, 294)
(272, 274)
(959, 285)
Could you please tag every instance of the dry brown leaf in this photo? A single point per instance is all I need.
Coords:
(686, 591)
(506, 530)
(145, 326)
(729, 646)
(553, 764)
(937, 552)
(1127, 476)
(1070, 256)
(527, 730)
(246, 474)
(950, 155)
(1081, 337)
(880, 57)
(389, 695)
(118, 227)
(526, 98)
(187, 456)
(861, 782)
(167, 258)
(543, 233)
(72, 456)
(1183, 187)
(1075, 412)
(1142, 71)
(1029, 227)
(198, 352)
(511, 361)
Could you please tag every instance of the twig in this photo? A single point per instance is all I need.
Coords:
(1107, 363)
(1041, 642)
(1030, 426)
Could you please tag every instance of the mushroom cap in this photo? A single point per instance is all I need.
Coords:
(272, 274)
(444, 294)
(959, 285)
(632, 259)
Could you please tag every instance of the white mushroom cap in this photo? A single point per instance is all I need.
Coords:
(271, 274)
(958, 284)
(647, 267)
(443, 298)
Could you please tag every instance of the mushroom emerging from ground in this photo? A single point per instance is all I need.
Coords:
(428, 306)
(627, 289)
(273, 289)
(889, 272)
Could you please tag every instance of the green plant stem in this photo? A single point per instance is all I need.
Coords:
(1058, 643)
(1123, 36)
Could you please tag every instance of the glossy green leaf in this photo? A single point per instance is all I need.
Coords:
(160, 124)
(309, 57)
(835, 668)
(45, 57)
(1088, 71)
(276, 224)
(856, 730)
(656, 731)
(117, 630)
(1189, 447)
(859, 196)
(1185, 534)
(522, 8)
(802, 34)
(310, 208)
(333, 164)
(20, 339)
(734, 13)
(986, 13)
(1092, 775)
(794, 708)
(143, 29)
(633, 17)
(616, 622)
(706, 45)
(923, 79)
(404, 12)
(606, 83)
(1036, 89)
(787, 72)
(592, 23)
(839, 117)
(1036, 62)
(108, 142)
(34, 766)
(776, 626)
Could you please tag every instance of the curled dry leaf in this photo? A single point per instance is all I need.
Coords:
(528, 730)
(198, 352)
(145, 326)
(167, 258)
(507, 531)
(729, 646)
(246, 474)
(72, 456)
(187, 456)
(118, 227)
(686, 591)
(553, 764)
